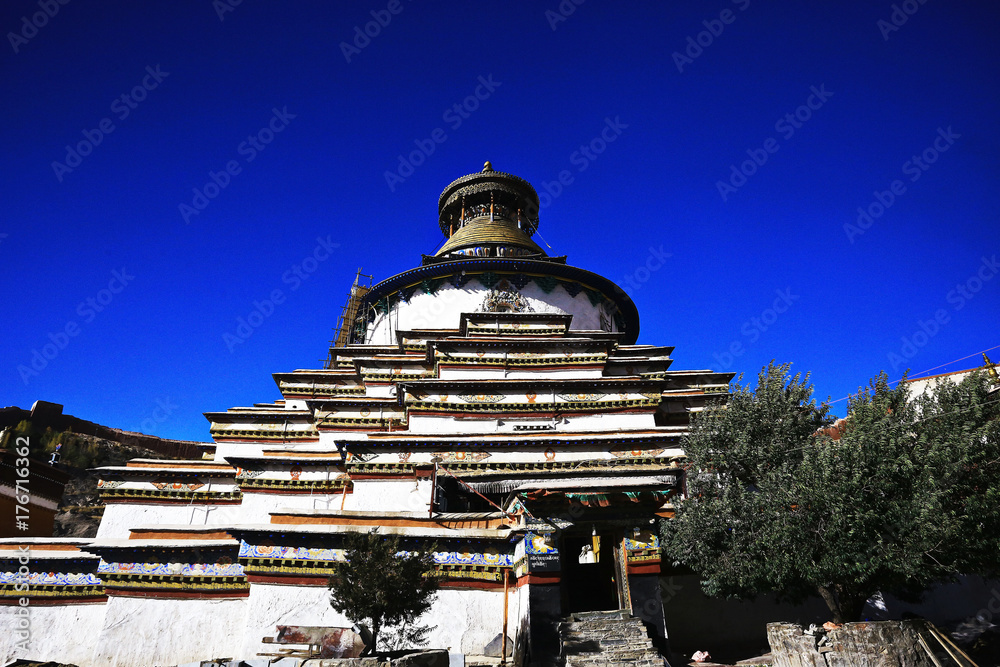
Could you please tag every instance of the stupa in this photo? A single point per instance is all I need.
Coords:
(491, 401)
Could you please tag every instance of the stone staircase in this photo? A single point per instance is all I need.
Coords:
(612, 638)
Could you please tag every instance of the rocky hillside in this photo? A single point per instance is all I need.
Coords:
(83, 445)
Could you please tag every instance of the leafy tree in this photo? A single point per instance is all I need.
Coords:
(961, 425)
(384, 588)
(906, 496)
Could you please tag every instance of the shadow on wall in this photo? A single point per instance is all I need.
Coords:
(729, 630)
(732, 630)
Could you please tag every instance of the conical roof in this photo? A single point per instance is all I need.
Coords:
(485, 232)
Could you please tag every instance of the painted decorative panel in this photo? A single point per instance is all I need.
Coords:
(51, 578)
(489, 557)
(646, 539)
(220, 569)
(539, 544)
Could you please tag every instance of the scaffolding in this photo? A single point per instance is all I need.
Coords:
(349, 312)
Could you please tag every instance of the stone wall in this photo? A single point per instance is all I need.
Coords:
(876, 644)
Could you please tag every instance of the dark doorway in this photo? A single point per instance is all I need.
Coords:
(588, 586)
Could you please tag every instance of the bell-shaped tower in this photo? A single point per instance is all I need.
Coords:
(489, 263)
(489, 214)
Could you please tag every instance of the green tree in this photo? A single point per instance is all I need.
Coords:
(961, 425)
(384, 588)
(896, 504)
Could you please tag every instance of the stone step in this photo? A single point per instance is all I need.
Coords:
(657, 662)
(608, 634)
(633, 625)
(647, 659)
(620, 614)
(606, 638)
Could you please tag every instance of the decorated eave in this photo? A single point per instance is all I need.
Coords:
(60, 573)
(621, 500)
(704, 381)
(646, 351)
(171, 567)
(516, 324)
(292, 473)
(558, 384)
(379, 519)
(308, 554)
(318, 384)
(156, 481)
(416, 340)
(262, 424)
(388, 369)
(528, 396)
(493, 351)
(341, 357)
(478, 459)
(269, 412)
(360, 416)
(644, 437)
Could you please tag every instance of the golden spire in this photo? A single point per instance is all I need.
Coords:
(991, 369)
(487, 166)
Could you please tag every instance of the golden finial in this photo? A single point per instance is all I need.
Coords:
(991, 368)
(487, 166)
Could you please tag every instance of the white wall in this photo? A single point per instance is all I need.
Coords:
(466, 619)
(256, 507)
(383, 495)
(270, 605)
(443, 308)
(61, 633)
(224, 449)
(139, 632)
(120, 518)
(462, 425)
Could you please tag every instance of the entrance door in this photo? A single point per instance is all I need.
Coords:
(588, 583)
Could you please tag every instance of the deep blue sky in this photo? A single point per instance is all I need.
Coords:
(160, 340)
